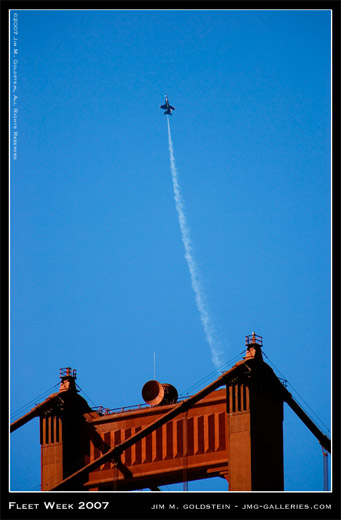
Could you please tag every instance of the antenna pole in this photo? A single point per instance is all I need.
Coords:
(154, 366)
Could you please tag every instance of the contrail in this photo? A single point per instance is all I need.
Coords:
(192, 266)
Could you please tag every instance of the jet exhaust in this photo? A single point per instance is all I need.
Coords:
(192, 266)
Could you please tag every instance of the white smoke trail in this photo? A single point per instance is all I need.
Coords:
(193, 269)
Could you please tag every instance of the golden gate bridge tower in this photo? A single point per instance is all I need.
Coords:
(232, 428)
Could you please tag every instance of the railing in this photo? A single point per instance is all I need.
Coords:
(253, 339)
(67, 372)
(108, 411)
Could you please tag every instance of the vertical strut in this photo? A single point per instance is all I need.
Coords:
(325, 470)
(185, 453)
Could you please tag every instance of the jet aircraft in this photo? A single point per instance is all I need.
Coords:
(167, 107)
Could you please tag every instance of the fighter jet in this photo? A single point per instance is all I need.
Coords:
(167, 107)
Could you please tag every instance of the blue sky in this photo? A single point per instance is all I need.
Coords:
(99, 281)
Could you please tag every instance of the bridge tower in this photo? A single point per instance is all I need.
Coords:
(232, 428)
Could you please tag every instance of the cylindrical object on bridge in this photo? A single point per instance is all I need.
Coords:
(156, 394)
